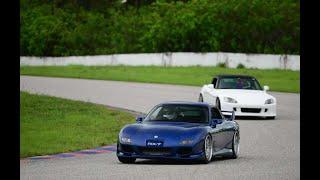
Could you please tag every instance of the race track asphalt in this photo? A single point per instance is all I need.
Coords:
(269, 149)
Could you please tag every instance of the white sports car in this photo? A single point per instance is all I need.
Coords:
(241, 94)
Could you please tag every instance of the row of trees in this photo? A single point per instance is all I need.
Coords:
(91, 27)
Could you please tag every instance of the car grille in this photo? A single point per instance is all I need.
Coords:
(184, 151)
(155, 150)
(251, 110)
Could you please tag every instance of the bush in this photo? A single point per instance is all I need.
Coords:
(240, 66)
(222, 65)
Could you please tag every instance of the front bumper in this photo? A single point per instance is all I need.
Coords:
(178, 152)
(264, 110)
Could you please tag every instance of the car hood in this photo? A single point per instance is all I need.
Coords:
(249, 97)
(169, 132)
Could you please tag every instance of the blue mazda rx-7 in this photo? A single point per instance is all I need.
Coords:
(180, 130)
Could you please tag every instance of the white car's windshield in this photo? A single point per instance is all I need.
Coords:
(238, 83)
(179, 113)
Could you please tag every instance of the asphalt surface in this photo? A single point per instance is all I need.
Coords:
(269, 149)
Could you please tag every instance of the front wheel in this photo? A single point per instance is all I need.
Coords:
(235, 145)
(270, 117)
(207, 149)
(218, 105)
(127, 160)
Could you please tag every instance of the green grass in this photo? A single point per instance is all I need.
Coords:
(50, 125)
(278, 80)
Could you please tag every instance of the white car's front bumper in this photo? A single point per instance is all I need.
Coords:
(265, 110)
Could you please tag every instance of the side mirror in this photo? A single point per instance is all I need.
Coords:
(210, 86)
(213, 123)
(139, 119)
(266, 88)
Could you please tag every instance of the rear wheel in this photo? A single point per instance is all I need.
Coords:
(235, 145)
(127, 160)
(207, 149)
(200, 99)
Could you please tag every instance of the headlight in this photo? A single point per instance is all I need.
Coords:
(269, 101)
(186, 141)
(229, 100)
(125, 140)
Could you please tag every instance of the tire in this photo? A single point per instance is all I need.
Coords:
(218, 105)
(270, 117)
(235, 145)
(207, 152)
(200, 99)
(127, 160)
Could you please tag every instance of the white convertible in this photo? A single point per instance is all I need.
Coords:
(241, 94)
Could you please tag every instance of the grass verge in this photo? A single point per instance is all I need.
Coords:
(50, 125)
(278, 80)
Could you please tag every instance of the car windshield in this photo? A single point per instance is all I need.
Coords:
(179, 113)
(239, 83)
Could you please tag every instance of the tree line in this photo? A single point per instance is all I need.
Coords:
(93, 27)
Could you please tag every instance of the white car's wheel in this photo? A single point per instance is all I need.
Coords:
(218, 105)
(270, 117)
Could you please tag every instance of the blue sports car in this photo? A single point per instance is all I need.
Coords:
(180, 130)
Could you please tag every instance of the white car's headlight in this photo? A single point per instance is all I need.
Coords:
(125, 140)
(186, 141)
(269, 101)
(229, 100)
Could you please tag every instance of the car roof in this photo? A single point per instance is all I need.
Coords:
(186, 103)
(233, 75)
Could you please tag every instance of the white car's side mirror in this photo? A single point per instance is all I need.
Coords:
(266, 88)
(210, 86)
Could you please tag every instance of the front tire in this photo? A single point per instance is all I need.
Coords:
(207, 149)
(235, 145)
(270, 117)
(218, 105)
(127, 160)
